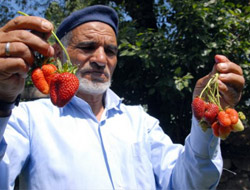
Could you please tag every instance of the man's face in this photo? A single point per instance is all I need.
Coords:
(93, 48)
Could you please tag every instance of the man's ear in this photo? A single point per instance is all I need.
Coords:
(58, 51)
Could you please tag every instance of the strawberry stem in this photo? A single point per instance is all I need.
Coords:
(62, 46)
(22, 13)
(207, 86)
(217, 91)
(55, 36)
(211, 90)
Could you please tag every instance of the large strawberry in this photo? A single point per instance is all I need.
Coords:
(198, 107)
(63, 85)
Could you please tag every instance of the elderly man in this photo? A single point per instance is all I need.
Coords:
(95, 141)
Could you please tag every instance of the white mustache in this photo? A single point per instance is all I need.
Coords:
(89, 70)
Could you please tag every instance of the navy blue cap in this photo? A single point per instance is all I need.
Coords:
(99, 13)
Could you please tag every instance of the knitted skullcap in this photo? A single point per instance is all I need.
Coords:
(99, 13)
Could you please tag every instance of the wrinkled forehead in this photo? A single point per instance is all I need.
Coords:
(99, 13)
(96, 31)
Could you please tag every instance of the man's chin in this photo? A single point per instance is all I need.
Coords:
(95, 88)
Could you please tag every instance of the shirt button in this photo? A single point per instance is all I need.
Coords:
(103, 122)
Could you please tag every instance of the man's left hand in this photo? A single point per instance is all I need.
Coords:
(231, 81)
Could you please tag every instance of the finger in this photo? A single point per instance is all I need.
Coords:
(18, 49)
(28, 23)
(233, 80)
(34, 42)
(221, 58)
(224, 65)
(200, 84)
(10, 66)
(42, 35)
(229, 67)
(229, 96)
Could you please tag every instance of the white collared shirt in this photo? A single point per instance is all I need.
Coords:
(67, 148)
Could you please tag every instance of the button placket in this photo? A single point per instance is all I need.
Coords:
(115, 173)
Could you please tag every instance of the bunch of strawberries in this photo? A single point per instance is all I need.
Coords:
(208, 111)
(59, 81)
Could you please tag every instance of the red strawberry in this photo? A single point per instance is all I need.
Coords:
(211, 112)
(63, 87)
(49, 70)
(224, 132)
(224, 119)
(198, 107)
(39, 80)
(215, 126)
(233, 114)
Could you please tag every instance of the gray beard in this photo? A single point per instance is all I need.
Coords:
(91, 87)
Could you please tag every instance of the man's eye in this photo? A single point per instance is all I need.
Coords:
(110, 52)
(87, 48)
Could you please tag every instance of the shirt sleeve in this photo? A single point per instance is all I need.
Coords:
(196, 165)
(14, 147)
(3, 123)
(4, 162)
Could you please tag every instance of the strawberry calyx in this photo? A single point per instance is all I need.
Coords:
(66, 67)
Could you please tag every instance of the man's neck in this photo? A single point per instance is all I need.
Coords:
(96, 103)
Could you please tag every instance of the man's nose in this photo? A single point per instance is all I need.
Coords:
(100, 57)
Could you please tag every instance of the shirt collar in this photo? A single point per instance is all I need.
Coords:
(112, 101)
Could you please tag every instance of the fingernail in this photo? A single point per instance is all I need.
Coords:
(50, 51)
(222, 66)
(222, 75)
(217, 60)
(46, 25)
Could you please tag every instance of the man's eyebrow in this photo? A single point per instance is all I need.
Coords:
(112, 47)
(86, 43)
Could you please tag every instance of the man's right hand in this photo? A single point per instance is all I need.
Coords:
(25, 34)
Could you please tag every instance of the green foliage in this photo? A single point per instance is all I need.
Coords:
(56, 13)
(160, 67)
(206, 28)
